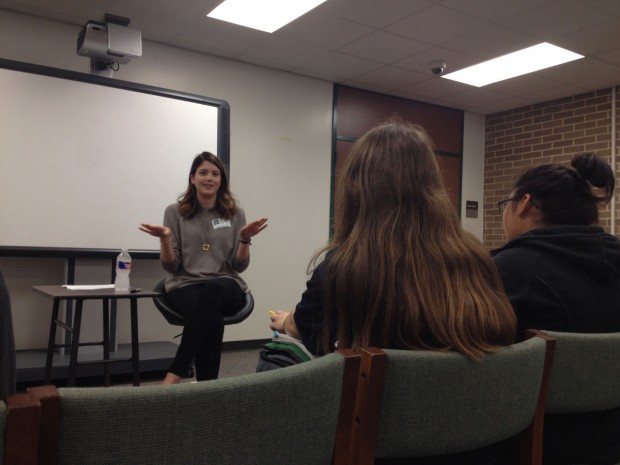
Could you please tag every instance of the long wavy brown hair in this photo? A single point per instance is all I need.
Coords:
(402, 272)
(225, 202)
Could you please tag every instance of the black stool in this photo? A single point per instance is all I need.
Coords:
(177, 319)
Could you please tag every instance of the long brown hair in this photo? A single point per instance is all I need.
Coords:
(402, 273)
(225, 203)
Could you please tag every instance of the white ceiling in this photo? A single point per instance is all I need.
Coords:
(386, 45)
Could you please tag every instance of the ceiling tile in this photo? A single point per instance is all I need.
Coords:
(325, 31)
(390, 78)
(436, 25)
(215, 34)
(340, 65)
(593, 40)
(374, 13)
(286, 52)
(490, 41)
(557, 19)
(384, 47)
(494, 10)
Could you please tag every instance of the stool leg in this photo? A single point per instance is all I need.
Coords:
(135, 346)
(106, 342)
(75, 342)
(51, 343)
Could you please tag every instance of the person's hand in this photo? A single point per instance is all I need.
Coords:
(252, 229)
(155, 230)
(277, 321)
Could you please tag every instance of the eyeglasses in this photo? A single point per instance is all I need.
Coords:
(501, 205)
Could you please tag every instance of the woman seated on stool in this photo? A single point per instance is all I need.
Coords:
(561, 271)
(400, 272)
(205, 244)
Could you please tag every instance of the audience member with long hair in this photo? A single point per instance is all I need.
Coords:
(400, 272)
(561, 271)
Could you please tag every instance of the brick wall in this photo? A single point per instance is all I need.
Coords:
(549, 132)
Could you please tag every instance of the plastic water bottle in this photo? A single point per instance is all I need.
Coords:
(123, 267)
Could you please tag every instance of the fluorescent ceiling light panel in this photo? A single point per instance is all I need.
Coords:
(264, 15)
(514, 64)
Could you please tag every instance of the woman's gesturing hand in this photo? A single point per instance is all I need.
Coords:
(252, 229)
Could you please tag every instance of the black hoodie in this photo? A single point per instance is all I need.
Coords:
(563, 278)
(567, 278)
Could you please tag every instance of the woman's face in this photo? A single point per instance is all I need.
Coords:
(519, 216)
(206, 180)
(510, 220)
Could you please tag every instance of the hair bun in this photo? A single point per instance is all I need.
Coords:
(595, 171)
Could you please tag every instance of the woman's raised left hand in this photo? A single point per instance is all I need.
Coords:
(252, 229)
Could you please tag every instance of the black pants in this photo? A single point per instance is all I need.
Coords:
(203, 305)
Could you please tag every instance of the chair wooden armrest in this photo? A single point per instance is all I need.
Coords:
(529, 443)
(49, 398)
(368, 405)
(22, 429)
(344, 432)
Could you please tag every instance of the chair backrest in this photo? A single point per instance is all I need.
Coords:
(20, 417)
(586, 373)
(435, 403)
(300, 414)
(175, 318)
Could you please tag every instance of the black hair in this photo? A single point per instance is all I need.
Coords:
(568, 195)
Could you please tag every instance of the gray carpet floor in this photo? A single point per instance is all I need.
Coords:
(234, 363)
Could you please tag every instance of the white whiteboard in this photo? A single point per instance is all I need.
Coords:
(82, 164)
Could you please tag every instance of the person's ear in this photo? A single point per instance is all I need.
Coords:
(525, 205)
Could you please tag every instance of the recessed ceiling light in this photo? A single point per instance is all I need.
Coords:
(264, 15)
(514, 64)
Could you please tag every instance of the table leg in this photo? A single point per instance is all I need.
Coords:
(75, 342)
(106, 342)
(51, 343)
(135, 346)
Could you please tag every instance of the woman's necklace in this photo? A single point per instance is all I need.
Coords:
(205, 245)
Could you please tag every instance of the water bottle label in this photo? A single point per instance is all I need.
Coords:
(124, 265)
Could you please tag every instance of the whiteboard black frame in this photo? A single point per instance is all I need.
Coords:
(223, 148)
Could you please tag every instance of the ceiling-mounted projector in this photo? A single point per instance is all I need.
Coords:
(109, 42)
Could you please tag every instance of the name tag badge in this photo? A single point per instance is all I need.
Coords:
(221, 223)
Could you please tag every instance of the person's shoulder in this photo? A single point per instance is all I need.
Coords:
(172, 211)
(239, 216)
(513, 257)
(173, 207)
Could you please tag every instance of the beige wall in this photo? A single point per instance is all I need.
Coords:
(550, 132)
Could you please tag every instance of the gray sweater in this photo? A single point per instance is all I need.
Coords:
(208, 229)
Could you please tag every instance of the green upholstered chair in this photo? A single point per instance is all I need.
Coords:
(297, 415)
(428, 403)
(20, 416)
(583, 402)
(586, 373)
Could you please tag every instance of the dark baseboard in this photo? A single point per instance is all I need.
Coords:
(154, 357)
